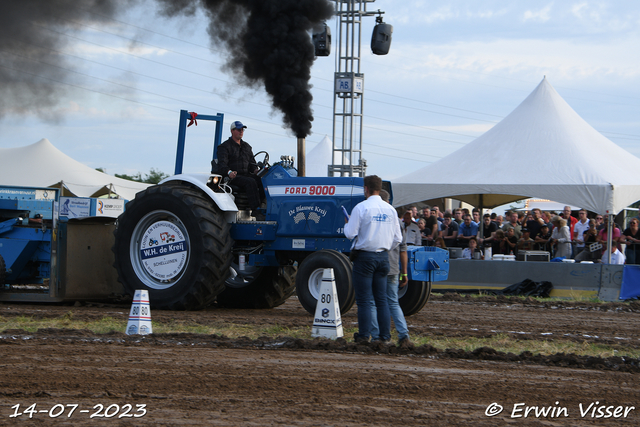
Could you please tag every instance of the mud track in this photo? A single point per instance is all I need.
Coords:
(211, 380)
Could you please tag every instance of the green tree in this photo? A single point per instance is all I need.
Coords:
(153, 177)
(137, 177)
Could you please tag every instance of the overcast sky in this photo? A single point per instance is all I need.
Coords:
(453, 72)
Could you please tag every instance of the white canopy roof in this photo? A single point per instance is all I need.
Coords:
(543, 149)
(319, 158)
(43, 165)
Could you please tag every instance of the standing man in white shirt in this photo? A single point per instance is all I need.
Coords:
(374, 225)
(413, 235)
(617, 257)
(578, 230)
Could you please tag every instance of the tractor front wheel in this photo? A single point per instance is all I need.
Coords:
(174, 242)
(309, 279)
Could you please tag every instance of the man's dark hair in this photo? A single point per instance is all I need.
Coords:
(373, 183)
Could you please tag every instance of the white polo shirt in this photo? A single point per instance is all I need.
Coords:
(375, 224)
(580, 228)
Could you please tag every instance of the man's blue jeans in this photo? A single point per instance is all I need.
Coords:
(370, 272)
(394, 309)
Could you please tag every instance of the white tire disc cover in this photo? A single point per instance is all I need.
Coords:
(163, 250)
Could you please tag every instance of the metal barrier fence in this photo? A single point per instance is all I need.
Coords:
(569, 280)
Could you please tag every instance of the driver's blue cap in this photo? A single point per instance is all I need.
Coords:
(237, 125)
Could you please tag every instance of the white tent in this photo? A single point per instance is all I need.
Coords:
(319, 158)
(543, 149)
(43, 165)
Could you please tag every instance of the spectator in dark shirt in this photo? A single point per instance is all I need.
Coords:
(424, 231)
(631, 236)
(511, 242)
(497, 243)
(476, 215)
(535, 223)
(449, 231)
(433, 225)
(426, 212)
(439, 215)
(542, 239)
(589, 237)
(457, 215)
(489, 228)
(498, 220)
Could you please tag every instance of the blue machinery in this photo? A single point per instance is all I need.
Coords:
(44, 256)
(60, 249)
(304, 214)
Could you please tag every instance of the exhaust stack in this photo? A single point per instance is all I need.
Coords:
(301, 156)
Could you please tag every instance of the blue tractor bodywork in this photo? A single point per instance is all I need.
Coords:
(248, 258)
(303, 214)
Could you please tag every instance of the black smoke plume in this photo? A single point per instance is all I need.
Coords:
(267, 43)
(33, 74)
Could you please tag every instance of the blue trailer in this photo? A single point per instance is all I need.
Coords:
(47, 257)
(190, 240)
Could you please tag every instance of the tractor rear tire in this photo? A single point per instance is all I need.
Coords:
(258, 287)
(309, 279)
(414, 296)
(174, 242)
(3, 271)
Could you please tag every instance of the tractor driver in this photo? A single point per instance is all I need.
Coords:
(236, 160)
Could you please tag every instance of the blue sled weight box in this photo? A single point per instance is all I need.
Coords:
(427, 264)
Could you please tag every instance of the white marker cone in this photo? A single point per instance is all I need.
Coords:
(140, 314)
(327, 322)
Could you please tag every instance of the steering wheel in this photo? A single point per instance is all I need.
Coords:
(264, 165)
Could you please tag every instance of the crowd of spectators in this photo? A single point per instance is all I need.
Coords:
(564, 235)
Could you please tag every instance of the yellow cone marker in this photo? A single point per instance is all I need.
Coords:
(327, 322)
(140, 314)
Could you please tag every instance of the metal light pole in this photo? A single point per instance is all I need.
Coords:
(348, 100)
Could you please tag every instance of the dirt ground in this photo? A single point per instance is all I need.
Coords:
(181, 380)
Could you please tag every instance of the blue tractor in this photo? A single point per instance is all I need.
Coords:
(190, 240)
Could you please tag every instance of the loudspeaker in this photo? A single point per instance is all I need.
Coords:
(381, 38)
(322, 41)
